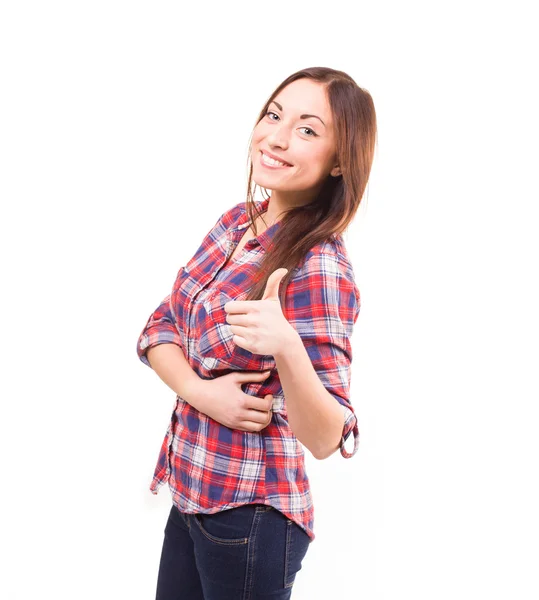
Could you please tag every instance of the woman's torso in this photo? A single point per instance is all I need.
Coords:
(210, 467)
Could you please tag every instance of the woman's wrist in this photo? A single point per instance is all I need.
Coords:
(195, 392)
(170, 364)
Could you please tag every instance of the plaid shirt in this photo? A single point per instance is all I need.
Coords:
(210, 467)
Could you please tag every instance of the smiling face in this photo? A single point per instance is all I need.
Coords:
(297, 129)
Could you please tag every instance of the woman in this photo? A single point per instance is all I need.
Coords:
(254, 339)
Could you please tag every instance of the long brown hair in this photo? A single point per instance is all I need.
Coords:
(302, 228)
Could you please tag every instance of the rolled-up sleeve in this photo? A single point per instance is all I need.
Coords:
(323, 307)
(159, 329)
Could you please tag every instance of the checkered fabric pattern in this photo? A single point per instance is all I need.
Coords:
(208, 466)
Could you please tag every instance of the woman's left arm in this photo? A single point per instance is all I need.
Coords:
(310, 342)
(314, 367)
(313, 415)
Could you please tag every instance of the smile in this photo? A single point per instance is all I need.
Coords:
(266, 161)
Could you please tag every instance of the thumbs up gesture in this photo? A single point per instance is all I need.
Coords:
(260, 326)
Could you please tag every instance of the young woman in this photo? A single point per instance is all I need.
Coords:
(254, 339)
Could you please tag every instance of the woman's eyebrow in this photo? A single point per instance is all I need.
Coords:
(302, 116)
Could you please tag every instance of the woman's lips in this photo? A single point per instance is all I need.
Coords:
(268, 166)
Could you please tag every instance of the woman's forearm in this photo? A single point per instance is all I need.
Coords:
(170, 364)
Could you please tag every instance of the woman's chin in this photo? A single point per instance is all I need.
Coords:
(264, 182)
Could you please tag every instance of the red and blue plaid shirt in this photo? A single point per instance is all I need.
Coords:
(210, 467)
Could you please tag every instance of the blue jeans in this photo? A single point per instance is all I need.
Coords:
(245, 553)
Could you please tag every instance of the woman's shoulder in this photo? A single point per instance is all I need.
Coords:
(332, 250)
(328, 260)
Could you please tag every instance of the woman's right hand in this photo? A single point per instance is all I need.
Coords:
(224, 401)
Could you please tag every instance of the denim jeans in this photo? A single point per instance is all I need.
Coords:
(249, 552)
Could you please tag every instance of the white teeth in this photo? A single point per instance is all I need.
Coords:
(271, 161)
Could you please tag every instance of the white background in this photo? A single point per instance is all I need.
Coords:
(123, 137)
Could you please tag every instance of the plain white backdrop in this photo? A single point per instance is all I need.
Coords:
(123, 137)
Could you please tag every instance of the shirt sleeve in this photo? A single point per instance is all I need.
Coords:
(323, 306)
(159, 329)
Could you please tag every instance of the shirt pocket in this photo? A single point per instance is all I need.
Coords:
(215, 337)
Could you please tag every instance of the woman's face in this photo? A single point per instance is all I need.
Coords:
(306, 144)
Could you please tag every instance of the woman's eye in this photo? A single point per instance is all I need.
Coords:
(312, 134)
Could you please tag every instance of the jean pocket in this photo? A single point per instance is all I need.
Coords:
(297, 544)
(228, 527)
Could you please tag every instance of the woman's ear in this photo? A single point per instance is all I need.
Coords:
(336, 171)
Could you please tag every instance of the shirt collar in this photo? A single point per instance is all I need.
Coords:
(264, 238)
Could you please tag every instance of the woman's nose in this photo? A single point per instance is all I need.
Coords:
(278, 141)
(279, 136)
